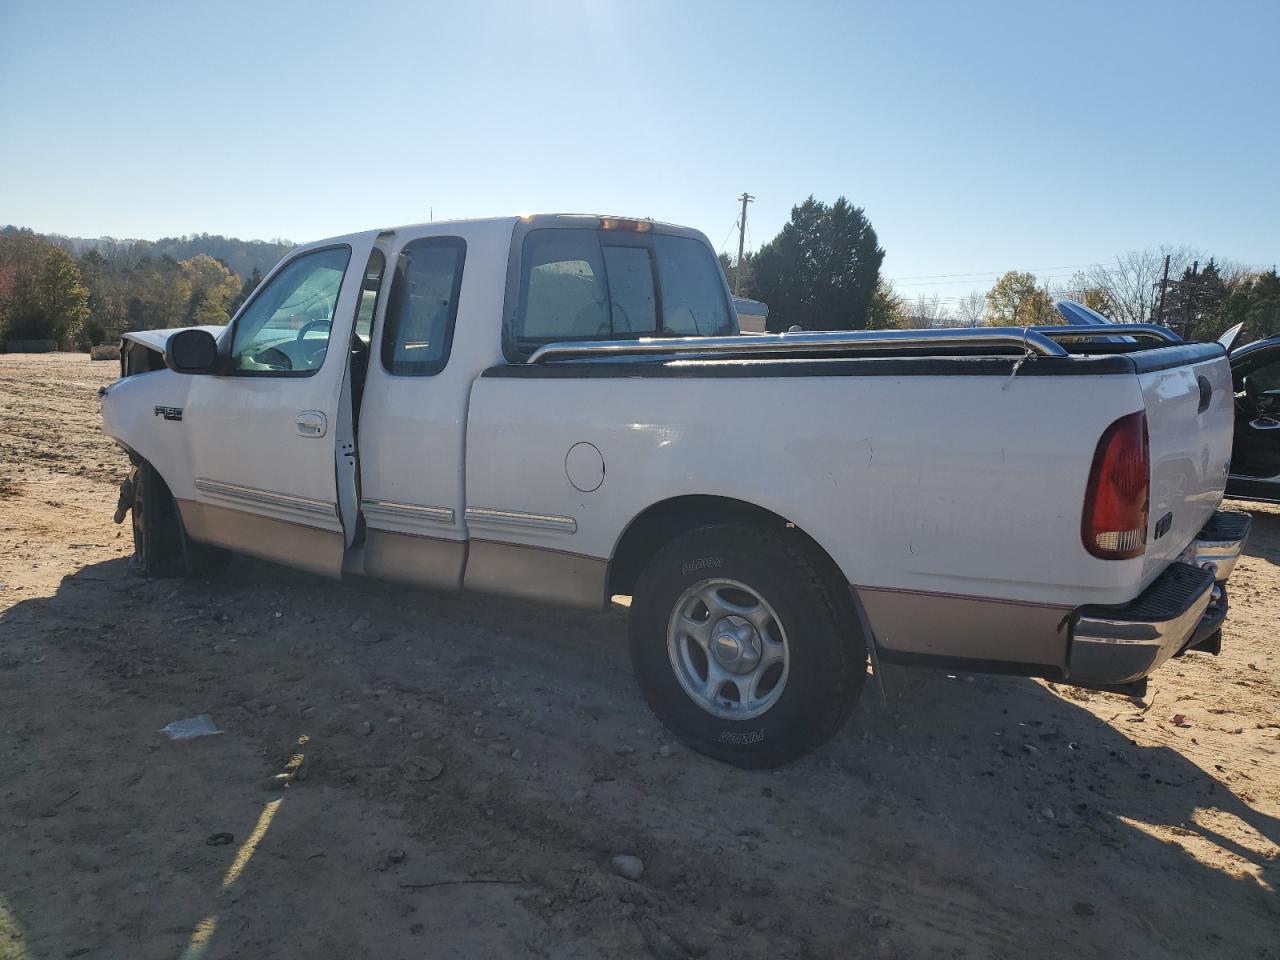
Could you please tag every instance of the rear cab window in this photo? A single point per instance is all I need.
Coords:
(593, 284)
(693, 302)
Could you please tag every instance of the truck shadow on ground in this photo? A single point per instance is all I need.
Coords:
(970, 816)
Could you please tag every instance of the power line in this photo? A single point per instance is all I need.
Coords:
(986, 273)
(727, 234)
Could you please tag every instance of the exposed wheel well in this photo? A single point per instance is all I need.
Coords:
(657, 524)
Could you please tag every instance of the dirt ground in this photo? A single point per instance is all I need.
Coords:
(464, 770)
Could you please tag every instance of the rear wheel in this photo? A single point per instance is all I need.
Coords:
(742, 647)
(161, 547)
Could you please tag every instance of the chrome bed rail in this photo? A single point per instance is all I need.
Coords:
(1033, 341)
(1142, 331)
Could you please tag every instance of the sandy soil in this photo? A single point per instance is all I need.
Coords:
(969, 817)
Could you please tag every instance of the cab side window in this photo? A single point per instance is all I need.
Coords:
(417, 332)
(284, 331)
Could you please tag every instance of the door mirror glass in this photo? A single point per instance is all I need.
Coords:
(191, 351)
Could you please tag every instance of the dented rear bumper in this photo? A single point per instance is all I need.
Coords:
(1183, 609)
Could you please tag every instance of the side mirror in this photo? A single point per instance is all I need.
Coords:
(191, 351)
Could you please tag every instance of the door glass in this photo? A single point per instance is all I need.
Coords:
(1256, 452)
(418, 329)
(284, 331)
(369, 291)
(1265, 379)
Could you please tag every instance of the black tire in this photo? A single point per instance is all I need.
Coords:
(161, 548)
(827, 652)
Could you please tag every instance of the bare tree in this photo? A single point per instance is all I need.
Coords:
(1082, 289)
(929, 311)
(1132, 286)
(971, 311)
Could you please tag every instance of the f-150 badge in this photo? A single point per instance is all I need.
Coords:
(169, 413)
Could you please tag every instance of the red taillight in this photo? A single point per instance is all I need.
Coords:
(1117, 500)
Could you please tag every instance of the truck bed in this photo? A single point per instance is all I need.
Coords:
(944, 471)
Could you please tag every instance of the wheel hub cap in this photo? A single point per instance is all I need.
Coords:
(728, 649)
(737, 646)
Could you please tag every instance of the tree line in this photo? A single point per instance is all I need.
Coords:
(822, 272)
(79, 293)
(1200, 298)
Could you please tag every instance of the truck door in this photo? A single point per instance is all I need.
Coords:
(412, 423)
(271, 443)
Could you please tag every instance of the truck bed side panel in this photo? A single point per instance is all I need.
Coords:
(943, 486)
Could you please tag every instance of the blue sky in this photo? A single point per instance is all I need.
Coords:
(978, 136)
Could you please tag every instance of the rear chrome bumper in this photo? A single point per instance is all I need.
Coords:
(1182, 609)
(1114, 645)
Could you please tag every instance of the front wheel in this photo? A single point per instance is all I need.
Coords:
(742, 647)
(161, 547)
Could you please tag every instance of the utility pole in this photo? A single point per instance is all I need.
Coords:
(742, 239)
(1164, 282)
(1191, 301)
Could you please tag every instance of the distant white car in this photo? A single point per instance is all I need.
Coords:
(753, 316)
(562, 408)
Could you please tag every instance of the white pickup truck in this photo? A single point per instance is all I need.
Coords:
(560, 408)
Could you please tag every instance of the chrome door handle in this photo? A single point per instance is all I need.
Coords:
(1265, 423)
(312, 423)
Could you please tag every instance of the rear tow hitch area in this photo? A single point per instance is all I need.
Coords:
(1216, 548)
(1208, 636)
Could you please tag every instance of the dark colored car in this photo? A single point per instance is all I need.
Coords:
(1255, 453)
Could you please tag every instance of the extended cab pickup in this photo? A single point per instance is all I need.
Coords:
(561, 408)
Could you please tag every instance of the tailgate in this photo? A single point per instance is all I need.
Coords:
(1190, 413)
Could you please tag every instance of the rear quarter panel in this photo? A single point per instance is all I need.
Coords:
(967, 485)
(1190, 453)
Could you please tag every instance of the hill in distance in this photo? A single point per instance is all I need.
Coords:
(241, 256)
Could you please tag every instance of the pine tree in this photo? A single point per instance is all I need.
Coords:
(820, 272)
